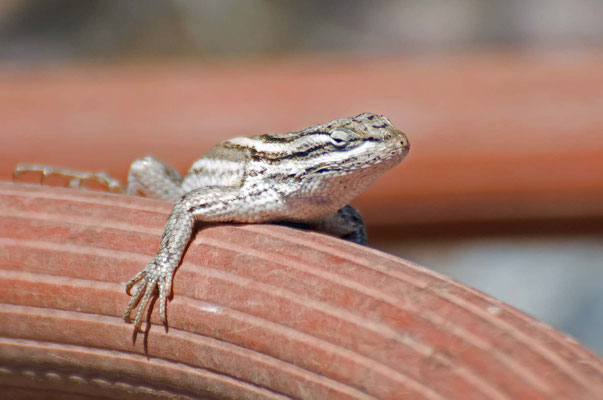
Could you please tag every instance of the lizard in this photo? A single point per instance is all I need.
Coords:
(304, 177)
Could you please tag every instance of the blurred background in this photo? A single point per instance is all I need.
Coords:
(502, 102)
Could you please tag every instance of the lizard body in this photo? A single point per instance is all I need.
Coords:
(307, 176)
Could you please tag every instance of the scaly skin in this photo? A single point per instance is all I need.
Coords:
(304, 177)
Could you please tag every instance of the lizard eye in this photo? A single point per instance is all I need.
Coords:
(339, 137)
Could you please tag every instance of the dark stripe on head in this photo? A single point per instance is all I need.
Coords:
(324, 170)
(286, 138)
(325, 148)
(328, 147)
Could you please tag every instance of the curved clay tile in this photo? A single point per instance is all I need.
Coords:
(259, 312)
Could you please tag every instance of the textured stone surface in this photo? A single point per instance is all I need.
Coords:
(260, 312)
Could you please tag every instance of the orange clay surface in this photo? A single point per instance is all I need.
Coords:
(259, 312)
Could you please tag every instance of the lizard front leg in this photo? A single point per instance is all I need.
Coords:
(209, 204)
(346, 223)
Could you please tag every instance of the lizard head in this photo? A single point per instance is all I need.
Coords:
(363, 146)
(348, 154)
(373, 135)
(323, 167)
(366, 143)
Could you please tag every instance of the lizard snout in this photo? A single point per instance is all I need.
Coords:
(403, 140)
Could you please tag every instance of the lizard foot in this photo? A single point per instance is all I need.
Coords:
(157, 275)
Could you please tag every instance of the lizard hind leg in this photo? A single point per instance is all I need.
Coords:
(152, 178)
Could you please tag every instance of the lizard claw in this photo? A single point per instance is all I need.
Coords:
(156, 276)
